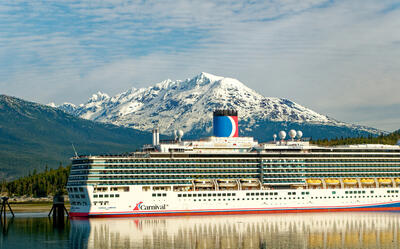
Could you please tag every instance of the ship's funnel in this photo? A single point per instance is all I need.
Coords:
(225, 123)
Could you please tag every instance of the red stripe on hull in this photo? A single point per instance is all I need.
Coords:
(237, 212)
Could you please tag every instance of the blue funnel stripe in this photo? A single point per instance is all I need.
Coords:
(224, 126)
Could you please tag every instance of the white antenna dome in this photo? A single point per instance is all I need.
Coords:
(274, 136)
(175, 134)
(180, 134)
(292, 134)
(299, 134)
(282, 135)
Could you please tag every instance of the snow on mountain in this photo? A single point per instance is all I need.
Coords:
(188, 105)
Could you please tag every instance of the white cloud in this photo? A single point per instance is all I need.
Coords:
(328, 56)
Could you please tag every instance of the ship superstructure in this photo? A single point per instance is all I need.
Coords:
(228, 174)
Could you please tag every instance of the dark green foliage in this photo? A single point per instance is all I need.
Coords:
(43, 184)
(391, 138)
(33, 136)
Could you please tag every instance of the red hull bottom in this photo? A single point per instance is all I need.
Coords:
(105, 215)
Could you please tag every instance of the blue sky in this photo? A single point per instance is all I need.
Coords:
(339, 58)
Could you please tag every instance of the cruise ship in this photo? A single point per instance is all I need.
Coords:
(229, 174)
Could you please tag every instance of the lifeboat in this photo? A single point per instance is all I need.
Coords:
(385, 181)
(204, 183)
(367, 181)
(350, 181)
(314, 182)
(332, 181)
(227, 183)
(249, 182)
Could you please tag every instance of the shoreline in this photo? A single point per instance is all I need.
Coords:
(32, 206)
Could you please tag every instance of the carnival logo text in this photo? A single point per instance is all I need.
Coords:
(141, 206)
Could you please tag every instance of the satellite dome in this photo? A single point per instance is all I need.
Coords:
(180, 133)
(299, 134)
(282, 135)
(274, 136)
(292, 134)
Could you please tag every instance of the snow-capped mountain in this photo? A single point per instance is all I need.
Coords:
(188, 105)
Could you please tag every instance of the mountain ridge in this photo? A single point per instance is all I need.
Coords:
(188, 105)
(34, 135)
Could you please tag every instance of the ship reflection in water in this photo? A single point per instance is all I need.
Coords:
(322, 230)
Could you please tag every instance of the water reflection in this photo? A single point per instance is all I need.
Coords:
(324, 230)
(33, 232)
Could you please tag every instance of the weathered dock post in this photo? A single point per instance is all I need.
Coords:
(58, 208)
(4, 205)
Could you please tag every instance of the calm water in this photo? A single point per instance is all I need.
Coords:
(321, 230)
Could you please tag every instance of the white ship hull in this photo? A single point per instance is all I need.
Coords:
(137, 203)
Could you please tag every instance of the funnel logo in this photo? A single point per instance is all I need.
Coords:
(138, 206)
(226, 126)
(141, 206)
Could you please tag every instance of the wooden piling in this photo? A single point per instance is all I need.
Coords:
(4, 205)
(58, 207)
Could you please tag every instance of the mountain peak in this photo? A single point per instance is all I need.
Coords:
(211, 77)
(188, 105)
(99, 96)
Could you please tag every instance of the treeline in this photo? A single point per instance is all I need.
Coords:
(391, 138)
(36, 184)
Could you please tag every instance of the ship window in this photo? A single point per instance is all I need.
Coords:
(189, 195)
(219, 194)
(290, 193)
(257, 194)
(112, 195)
(184, 195)
(275, 193)
(302, 193)
(100, 196)
(116, 195)
(83, 196)
(179, 195)
(372, 191)
(164, 194)
(223, 194)
(154, 195)
(214, 194)
(81, 189)
(233, 194)
(94, 196)
(247, 194)
(252, 194)
(333, 192)
(158, 195)
(229, 194)
(262, 193)
(194, 195)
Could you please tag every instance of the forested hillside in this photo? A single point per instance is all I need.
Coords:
(391, 138)
(33, 136)
(49, 182)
